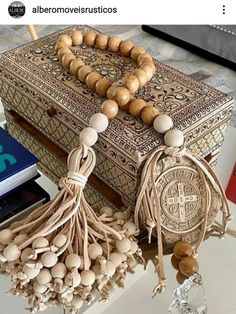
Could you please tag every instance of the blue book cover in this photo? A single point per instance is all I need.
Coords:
(13, 156)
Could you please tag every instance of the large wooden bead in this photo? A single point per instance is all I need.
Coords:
(122, 96)
(59, 240)
(109, 269)
(180, 277)
(11, 252)
(92, 79)
(147, 68)
(163, 123)
(73, 279)
(111, 91)
(110, 108)
(75, 65)
(116, 259)
(99, 122)
(6, 236)
(188, 266)
(61, 52)
(144, 57)
(77, 38)
(44, 277)
(123, 245)
(40, 243)
(102, 86)
(60, 45)
(136, 106)
(89, 38)
(141, 75)
(94, 250)
(175, 262)
(59, 270)
(182, 249)
(39, 288)
(66, 39)
(87, 277)
(126, 47)
(31, 273)
(73, 261)
(114, 43)
(174, 138)
(20, 239)
(102, 41)
(66, 60)
(130, 228)
(88, 136)
(49, 259)
(148, 114)
(132, 83)
(83, 72)
(135, 52)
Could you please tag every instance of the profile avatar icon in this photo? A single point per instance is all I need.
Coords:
(16, 9)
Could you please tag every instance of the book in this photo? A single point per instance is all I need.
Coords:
(231, 187)
(17, 164)
(21, 202)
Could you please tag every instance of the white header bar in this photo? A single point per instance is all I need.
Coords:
(122, 12)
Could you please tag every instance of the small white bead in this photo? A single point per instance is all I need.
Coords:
(99, 122)
(88, 136)
(174, 138)
(162, 123)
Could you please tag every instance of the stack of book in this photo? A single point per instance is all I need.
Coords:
(19, 193)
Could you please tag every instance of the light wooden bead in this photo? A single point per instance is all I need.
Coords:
(123, 245)
(149, 64)
(92, 79)
(147, 68)
(66, 60)
(108, 269)
(21, 238)
(132, 83)
(101, 41)
(75, 65)
(174, 138)
(25, 254)
(111, 91)
(87, 277)
(77, 38)
(60, 45)
(141, 75)
(90, 38)
(188, 266)
(39, 288)
(73, 261)
(31, 273)
(135, 52)
(106, 210)
(66, 39)
(129, 228)
(144, 57)
(182, 249)
(49, 259)
(94, 250)
(136, 106)
(126, 47)
(6, 236)
(61, 52)
(122, 96)
(11, 252)
(88, 136)
(99, 122)
(83, 72)
(163, 123)
(149, 114)
(116, 259)
(110, 108)
(102, 86)
(73, 279)
(114, 43)
(44, 276)
(134, 247)
(59, 270)
(40, 243)
(59, 240)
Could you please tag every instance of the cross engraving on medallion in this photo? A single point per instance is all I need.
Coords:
(181, 200)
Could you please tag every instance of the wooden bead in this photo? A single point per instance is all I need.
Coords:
(111, 91)
(77, 38)
(40, 243)
(11, 252)
(174, 138)
(25, 254)
(135, 52)
(141, 75)
(114, 43)
(99, 122)
(59, 270)
(88, 136)
(66, 39)
(123, 245)
(73, 261)
(110, 108)
(75, 65)
(44, 277)
(102, 86)
(60, 45)
(132, 83)
(87, 277)
(92, 79)
(49, 259)
(61, 52)
(106, 210)
(73, 279)
(150, 64)
(66, 60)
(149, 114)
(147, 68)
(134, 247)
(94, 250)
(136, 106)
(180, 277)
(31, 273)
(175, 262)
(89, 38)
(126, 47)
(6, 236)
(182, 249)
(162, 123)
(101, 41)
(144, 57)
(130, 228)
(122, 96)
(116, 259)
(39, 288)
(108, 269)
(188, 266)
(59, 240)
(21, 238)
(83, 72)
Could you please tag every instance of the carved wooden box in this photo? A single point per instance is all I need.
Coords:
(34, 84)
